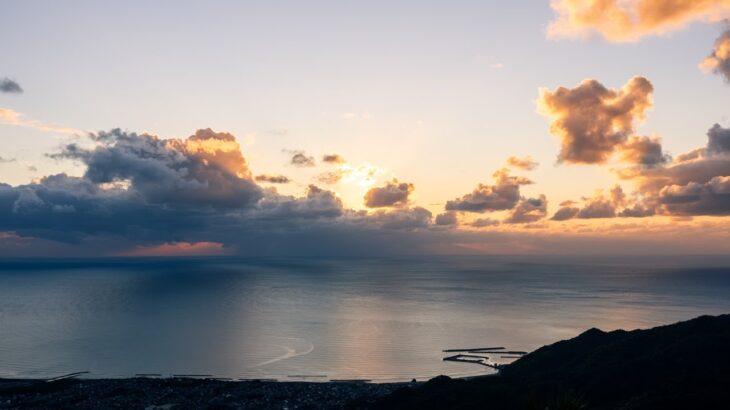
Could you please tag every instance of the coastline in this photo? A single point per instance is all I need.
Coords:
(637, 369)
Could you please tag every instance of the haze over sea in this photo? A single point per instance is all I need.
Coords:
(311, 319)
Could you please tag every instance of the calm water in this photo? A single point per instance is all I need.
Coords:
(381, 319)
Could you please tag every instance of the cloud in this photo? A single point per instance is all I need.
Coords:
(7, 160)
(301, 159)
(719, 61)
(364, 174)
(611, 205)
(709, 198)
(718, 140)
(178, 249)
(504, 194)
(447, 219)
(333, 159)
(524, 163)
(394, 193)
(9, 86)
(484, 223)
(593, 121)
(11, 117)
(565, 212)
(644, 151)
(331, 177)
(318, 203)
(631, 20)
(528, 210)
(272, 179)
(691, 183)
(206, 168)
(402, 218)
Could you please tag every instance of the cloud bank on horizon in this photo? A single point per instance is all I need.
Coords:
(141, 195)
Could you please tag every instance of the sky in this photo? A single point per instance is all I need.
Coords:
(316, 128)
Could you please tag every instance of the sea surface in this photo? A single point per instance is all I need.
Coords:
(315, 319)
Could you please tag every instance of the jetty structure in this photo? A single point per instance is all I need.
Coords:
(478, 356)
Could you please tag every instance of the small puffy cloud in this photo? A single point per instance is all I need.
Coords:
(301, 159)
(272, 179)
(630, 20)
(7, 160)
(394, 193)
(524, 163)
(719, 61)
(718, 140)
(565, 212)
(592, 121)
(9, 86)
(599, 207)
(504, 194)
(333, 159)
(447, 219)
(646, 151)
(528, 210)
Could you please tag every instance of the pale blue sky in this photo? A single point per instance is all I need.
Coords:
(438, 113)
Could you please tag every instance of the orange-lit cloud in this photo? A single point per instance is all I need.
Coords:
(524, 163)
(719, 60)
(592, 121)
(179, 249)
(11, 117)
(504, 194)
(394, 193)
(630, 20)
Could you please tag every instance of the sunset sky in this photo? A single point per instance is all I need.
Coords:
(347, 128)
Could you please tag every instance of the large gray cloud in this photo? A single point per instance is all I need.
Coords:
(139, 189)
(9, 86)
(207, 168)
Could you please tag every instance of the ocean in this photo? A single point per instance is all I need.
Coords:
(320, 319)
